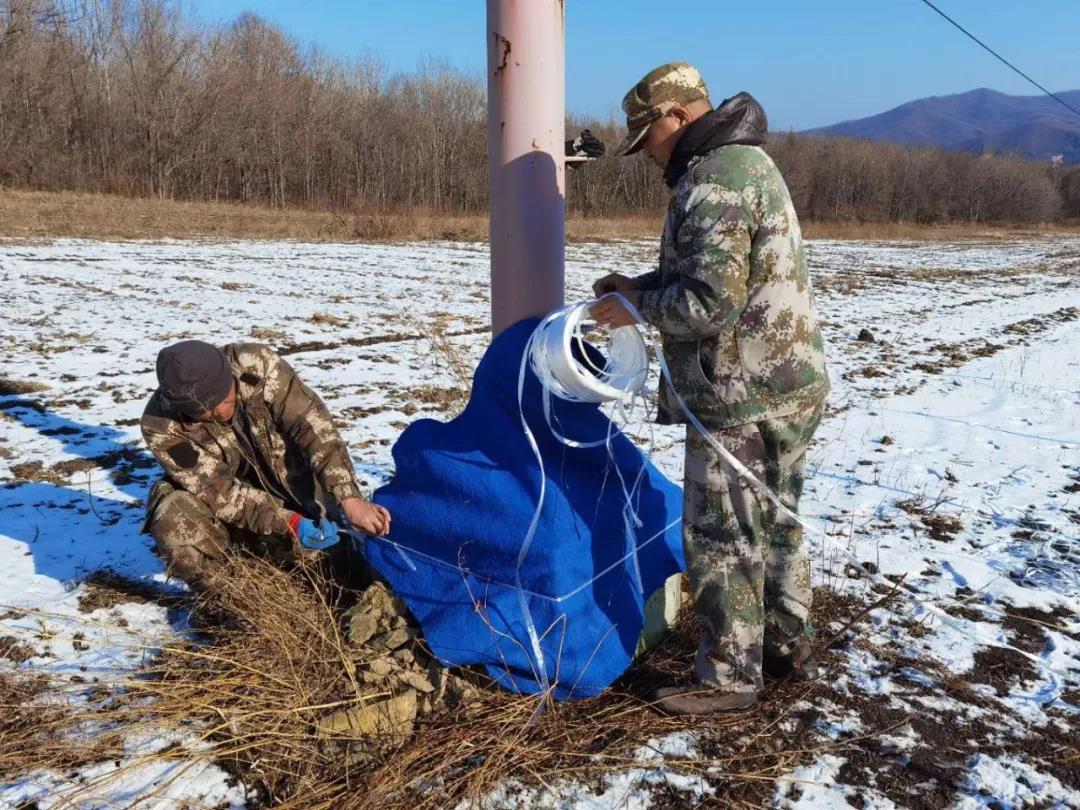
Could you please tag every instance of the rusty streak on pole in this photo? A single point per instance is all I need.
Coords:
(526, 104)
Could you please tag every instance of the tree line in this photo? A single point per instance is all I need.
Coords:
(135, 97)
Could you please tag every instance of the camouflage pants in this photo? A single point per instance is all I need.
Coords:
(748, 569)
(194, 543)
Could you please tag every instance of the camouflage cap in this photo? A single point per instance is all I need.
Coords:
(652, 98)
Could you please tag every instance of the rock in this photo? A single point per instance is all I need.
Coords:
(416, 681)
(362, 626)
(376, 670)
(392, 717)
(460, 689)
(378, 599)
(381, 667)
(866, 336)
(396, 638)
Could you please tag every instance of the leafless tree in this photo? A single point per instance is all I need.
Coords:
(134, 97)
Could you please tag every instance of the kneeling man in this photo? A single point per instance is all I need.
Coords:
(251, 457)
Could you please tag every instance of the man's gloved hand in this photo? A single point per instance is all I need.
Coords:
(315, 536)
(585, 145)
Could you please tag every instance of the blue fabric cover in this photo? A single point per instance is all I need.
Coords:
(464, 492)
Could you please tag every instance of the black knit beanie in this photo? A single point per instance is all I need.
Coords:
(193, 377)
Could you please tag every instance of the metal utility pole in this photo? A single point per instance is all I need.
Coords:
(526, 106)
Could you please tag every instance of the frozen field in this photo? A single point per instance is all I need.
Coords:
(951, 457)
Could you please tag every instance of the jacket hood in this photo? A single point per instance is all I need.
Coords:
(738, 120)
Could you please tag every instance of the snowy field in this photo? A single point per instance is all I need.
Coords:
(950, 457)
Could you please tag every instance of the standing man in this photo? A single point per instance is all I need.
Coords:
(250, 456)
(735, 310)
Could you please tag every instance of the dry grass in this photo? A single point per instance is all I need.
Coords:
(956, 232)
(12, 387)
(251, 697)
(38, 728)
(42, 215)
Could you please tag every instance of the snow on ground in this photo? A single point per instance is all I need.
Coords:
(950, 456)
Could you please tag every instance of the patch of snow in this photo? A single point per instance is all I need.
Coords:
(1008, 782)
(986, 432)
(630, 787)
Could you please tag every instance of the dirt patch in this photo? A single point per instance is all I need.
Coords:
(14, 650)
(1033, 623)
(328, 319)
(939, 525)
(1032, 326)
(923, 778)
(14, 404)
(435, 397)
(1074, 484)
(10, 387)
(1025, 630)
(961, 611)
(106, 588)
(266, 333)
(1003, 669)
(122, 464)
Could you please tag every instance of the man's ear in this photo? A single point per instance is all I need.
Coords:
(681, 114)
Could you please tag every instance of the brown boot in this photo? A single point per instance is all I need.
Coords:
(800, 663)
(697, 699)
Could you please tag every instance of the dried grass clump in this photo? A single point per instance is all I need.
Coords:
(12, 387)
(277, 663)
(40, 728)
(327, 318)
(254, 693)
(448, 359)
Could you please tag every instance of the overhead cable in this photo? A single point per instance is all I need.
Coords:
(1001, 58)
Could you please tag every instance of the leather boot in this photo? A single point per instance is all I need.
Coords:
(697, 699)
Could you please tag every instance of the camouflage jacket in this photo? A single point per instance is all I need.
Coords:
(732, 298)
(290, 433)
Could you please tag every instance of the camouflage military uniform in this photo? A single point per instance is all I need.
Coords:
(748, 569)
(733, 303)
(241, 482)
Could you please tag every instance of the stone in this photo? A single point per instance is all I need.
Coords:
(391, 717)
(378, 599)
(381, 667)
(362, 626)
(376, 670)
(396, 638)
(416, 681)
(866, 336)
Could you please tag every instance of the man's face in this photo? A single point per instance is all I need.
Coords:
(224, 410)
(663, 134)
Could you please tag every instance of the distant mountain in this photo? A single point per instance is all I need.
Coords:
(978, 121)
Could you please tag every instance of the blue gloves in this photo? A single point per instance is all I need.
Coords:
(315, 536)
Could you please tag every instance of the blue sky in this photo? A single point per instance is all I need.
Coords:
(810, 63)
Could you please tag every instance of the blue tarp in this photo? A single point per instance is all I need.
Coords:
(462, 497)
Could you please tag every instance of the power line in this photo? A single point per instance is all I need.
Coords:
(1001, 58)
